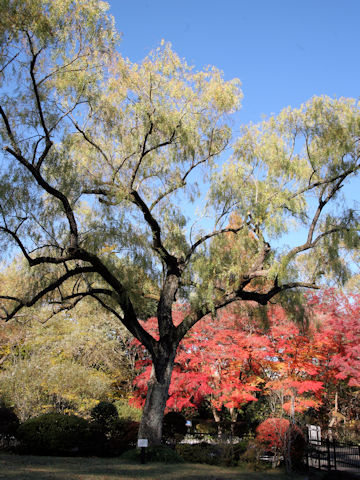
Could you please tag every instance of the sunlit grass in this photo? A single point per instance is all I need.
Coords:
(14, 467)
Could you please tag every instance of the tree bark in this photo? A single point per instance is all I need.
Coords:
(156, 398)
(217, 419)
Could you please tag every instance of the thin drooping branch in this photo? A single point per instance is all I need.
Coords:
(310, 242)
(142, 155)
(90, 141)
(63, 67)
(157, 244)
(91, 291)
(49, 288)
(48, 141)
(182, 181)
(53, 192)
(215, 233)
(106, 306)
(37, 260)
(69, 302)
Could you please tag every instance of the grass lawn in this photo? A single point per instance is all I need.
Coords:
(16, 467)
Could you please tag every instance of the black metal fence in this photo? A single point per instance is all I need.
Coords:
(332, 455)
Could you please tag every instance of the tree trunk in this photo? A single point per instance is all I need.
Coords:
(153, 413)
(217, 419)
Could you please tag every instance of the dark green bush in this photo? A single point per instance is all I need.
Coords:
(174, 427)
(122, 436)
(298, 445)
(104, 414)
(199, 453)
(239, 429)
(9, 422)
(58, 434)
(223, 454)
(159, 453)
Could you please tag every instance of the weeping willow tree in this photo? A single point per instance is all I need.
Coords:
(119, 180)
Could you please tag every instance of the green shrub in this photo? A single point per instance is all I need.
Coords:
(58, 434)
(199, 453)
(174, 427)
(9, 422)
(239, 429)
(126, 411)
(210, 428)
(251, 454)
(225, 454)
(104, 414)
(122, 436)
(159, 453)
(254, 466)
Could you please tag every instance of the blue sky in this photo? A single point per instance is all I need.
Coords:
(283, 51)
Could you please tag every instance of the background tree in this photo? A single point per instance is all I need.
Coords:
(81, 124)
(66, 364)
(292, 375)
(338, 338)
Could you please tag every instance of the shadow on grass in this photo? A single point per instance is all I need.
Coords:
(16, 467)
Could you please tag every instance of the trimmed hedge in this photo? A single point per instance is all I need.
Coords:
(122, 436)
(58, 434)
(225, 455)
(159, 453)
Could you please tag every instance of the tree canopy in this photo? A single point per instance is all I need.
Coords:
(110, 169)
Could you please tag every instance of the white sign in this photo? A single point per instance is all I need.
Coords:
(142, 442)
(314, 433)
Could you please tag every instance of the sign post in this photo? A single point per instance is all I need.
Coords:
(142, 443)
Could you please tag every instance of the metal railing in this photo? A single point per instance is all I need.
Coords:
(332, 455)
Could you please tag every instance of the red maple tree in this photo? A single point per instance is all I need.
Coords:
(227, 361)
(225, 365)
